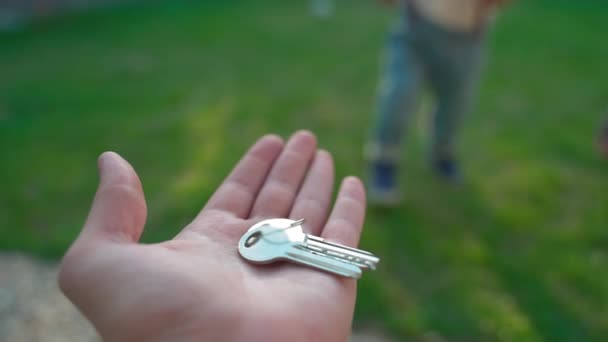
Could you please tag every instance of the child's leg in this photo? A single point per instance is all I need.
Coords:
(398, 91)
(454, 77)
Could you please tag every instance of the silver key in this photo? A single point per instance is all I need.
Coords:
(319, 245)
(277, 239)
(268, 242)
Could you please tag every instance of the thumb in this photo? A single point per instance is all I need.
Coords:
(119, 209)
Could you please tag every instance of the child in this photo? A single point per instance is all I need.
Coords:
(441, 42)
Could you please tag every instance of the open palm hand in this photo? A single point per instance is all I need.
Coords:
(196, 286)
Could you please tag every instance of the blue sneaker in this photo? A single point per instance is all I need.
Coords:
(382, 186)
(447, 169)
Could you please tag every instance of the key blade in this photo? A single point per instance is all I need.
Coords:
(318, 239)
(306, 257)
(359, 257)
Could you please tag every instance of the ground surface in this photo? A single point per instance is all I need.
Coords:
(31, 306)
(518, 252)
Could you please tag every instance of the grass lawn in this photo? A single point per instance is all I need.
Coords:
(518, 253)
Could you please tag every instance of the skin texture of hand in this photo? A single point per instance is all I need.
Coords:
(196, 287)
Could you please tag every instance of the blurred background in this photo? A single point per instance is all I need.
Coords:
(518, 252)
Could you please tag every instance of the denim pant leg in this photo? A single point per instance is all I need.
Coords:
(398, 90)
(454, 77)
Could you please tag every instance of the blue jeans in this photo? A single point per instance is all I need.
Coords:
(420, 52)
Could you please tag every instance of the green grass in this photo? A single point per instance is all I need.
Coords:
(518, 253)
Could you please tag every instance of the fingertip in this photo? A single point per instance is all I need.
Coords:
(304, 134)
(324, 160)
(105, 158)
(354, 186)
(324, 154)
(114, 169)
(273, 139)
(267, 146)
(109, 160)
(352, 179)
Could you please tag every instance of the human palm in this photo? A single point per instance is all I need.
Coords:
(196, 286)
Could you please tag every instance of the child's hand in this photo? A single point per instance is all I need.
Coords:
(196, 286)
